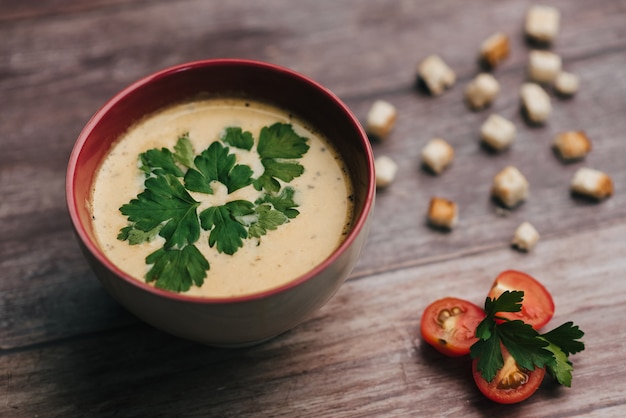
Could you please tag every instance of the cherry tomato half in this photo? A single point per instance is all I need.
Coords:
(449, 325)
(512, 384)
(537, 306)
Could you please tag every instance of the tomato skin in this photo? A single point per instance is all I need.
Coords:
(537, 306)
(510, 391)
(449, 325)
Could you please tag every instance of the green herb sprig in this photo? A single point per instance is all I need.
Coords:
(166, 208)
(529, 348)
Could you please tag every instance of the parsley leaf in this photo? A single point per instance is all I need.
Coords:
(560, 367)
(157, 161)
(509, 301)
(489, 356)
(565, 337)
(281, 141)
(136, 236)
(164, 201)
(278, 145)
(177, 269)
(282, 202)
(216, 163)
(486, 328)
(225, 229)
(521, 342)
(183, 151)
(274, 169)
(529, 349)
(267, 219)
(562, 342)
(237, 138)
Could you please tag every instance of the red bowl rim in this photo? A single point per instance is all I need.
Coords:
(94, 249)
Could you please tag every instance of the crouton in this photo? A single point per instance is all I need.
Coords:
(572, 145)
(592, 183)
(436, 74)
(437, 155)
(566, 84)
(494, 49)
(386, 170)
(481, 91)
(543, 66)
(525, 237)
(381, 119)
(535, 102)
(443, 213)
(497, 132)
(542, 23)
(510, 187)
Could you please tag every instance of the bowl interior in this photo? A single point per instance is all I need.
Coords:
(218, 78)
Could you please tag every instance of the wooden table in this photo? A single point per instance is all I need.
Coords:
(67, 349)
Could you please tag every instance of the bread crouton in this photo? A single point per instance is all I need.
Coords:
(386, 170)
(494, 49)
(437, 155)
(592, 183)
(572, 145)
(525, 237)
(510, 187)
(435, 74)
(535, 102)
(497, 132)
(443, 213)
(381, 119)
(481, 91)
(542, 23)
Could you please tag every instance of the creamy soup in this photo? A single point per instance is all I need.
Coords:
(321, 195)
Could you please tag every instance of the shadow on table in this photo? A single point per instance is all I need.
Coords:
(140, 371)
(459, 370)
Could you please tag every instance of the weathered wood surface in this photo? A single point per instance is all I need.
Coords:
(67, 349)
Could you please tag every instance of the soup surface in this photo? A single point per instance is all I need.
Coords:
(283, 224)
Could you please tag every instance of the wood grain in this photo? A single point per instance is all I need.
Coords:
(66, 348)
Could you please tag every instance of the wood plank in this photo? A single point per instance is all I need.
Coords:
(11, 11)
(377, 45)
(361, 354)
(58, 69)
(67, 349)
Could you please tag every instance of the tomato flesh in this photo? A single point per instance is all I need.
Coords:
(512, 384)
(449, 325)
(537, 306)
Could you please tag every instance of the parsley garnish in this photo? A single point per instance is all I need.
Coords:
(278, 147)
(237, 138)
(166, 205)
(223, 223)
(217, 163)
(166, 208)
(529, 348)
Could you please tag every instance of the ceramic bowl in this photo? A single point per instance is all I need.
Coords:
(234, 321)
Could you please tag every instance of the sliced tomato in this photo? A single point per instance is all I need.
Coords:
(512, 384)
(537, 306)
(449, 325)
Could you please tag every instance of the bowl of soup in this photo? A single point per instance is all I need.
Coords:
(222, 201)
